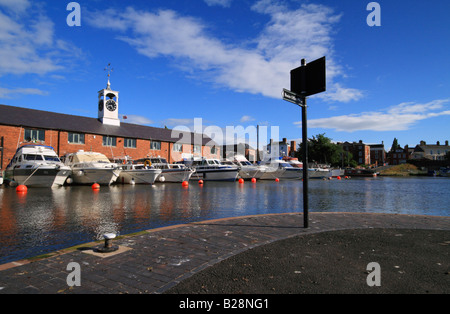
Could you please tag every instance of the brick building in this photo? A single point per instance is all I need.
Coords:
(399, 155)
(107, 134)
(377, 154)
(360, 151)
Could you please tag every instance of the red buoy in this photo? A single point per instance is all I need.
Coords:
(277, 180)
(241, 180)
(253, 180)
(21, 188)
(96, 186)
(185, 183)
(200, 181)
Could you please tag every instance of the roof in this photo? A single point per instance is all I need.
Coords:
(17, 116)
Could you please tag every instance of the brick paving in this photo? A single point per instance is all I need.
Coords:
(156, 260)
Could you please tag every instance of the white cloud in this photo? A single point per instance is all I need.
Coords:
(8, 93)
(396, 118)
(136, 119)
(247, 119)
(290, 35)
(17, 6)
(223, 3)
(28, 42)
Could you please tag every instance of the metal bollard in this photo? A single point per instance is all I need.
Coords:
(108, 247)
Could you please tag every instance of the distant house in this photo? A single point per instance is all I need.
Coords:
(377, 154)
(229, 151)
(399, 155)
(360, 151)
(431, 152)
(280, 149)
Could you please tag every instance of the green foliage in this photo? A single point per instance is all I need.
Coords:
(395, 145)
(322, 150)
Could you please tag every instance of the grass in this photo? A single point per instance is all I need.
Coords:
(402, 170)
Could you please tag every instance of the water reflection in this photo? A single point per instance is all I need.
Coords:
(45, 220)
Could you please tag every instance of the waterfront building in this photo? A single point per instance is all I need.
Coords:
(430, 151)
(243, 149)
(277, 149)
(106, 134)
(360, 151)
(377, 154)
(399, 155)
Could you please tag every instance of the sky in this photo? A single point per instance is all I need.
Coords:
(220, 66)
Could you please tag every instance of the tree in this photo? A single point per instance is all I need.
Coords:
(322, 150)
(395, 145)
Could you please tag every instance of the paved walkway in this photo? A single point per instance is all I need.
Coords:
(155, 261)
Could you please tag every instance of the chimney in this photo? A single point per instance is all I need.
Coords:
(446, 143)
(284, 140)
(438, 143)
(293, 148)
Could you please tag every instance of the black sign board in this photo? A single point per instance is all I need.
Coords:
(310, 79)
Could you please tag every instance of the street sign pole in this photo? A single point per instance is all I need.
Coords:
(306, 80)
(305, 150)
(305, 165)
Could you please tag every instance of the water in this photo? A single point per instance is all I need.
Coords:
(46, 220)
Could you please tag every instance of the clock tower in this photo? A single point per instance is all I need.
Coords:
(108, 104)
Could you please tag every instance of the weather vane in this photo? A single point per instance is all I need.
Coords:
(109, 69)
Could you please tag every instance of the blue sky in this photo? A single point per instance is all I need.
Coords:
(227, 61)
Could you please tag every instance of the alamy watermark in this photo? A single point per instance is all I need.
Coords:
(374, 17)
(74, 278)
(74, 17)
(374, 277)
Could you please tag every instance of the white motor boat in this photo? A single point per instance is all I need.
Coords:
(247, 170)
(169, 172)
(319, 173)
(212, 170)
(137, 174)
(91, 167)
(282, 170)
(36, 166)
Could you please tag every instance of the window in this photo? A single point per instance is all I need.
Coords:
(178, 147)
(34, 135)
(75, 138)
(197, 149)
(129, 143)
(155, 145)
(213, 150)
(109, 141)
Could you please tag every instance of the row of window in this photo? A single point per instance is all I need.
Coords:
(79, 138)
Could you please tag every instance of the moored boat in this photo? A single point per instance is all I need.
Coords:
(212, 170)
(36, 165)
(137, 174)
(91, 167)
(247, 170)
(360, 173)
(169, 172)
(282, 170)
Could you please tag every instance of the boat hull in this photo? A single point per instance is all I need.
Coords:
(175, 175)
(104, 176)
(292, 173)
(147, 176)
(42, 177)
(220, 174)
(272, 174)
(249, 173)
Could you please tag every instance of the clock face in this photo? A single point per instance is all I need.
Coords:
(111, 105)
